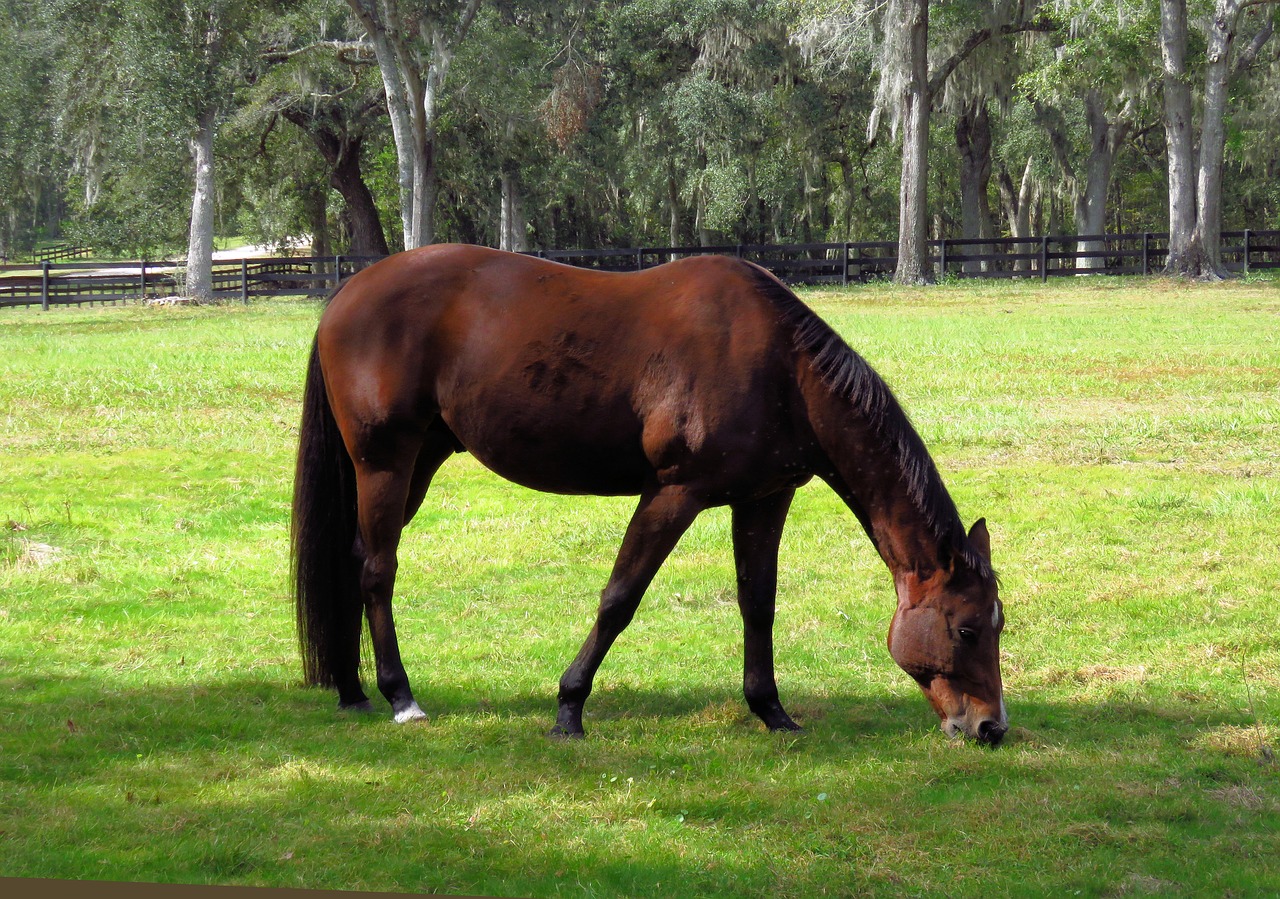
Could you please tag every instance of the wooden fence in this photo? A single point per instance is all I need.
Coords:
(60, 284)
(65, 284)
(62, 251)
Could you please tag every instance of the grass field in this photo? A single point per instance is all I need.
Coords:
(1122, 437)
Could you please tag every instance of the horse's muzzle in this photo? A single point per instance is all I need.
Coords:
(988, 731)
(991, 732)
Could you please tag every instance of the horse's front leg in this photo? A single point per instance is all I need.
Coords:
(757, 533)
(655, 528)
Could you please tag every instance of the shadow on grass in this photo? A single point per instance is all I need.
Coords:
(253, 782)
(44, 715)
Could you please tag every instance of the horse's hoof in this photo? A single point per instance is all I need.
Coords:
(779, 721)
(563, 733)
(411, 712)
(789, 727)
(360, 707)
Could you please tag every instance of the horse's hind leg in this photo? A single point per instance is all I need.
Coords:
(757, 532)
(391, 485)
(351, 695)
(656, 526)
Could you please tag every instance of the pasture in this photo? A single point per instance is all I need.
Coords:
(1122, 437)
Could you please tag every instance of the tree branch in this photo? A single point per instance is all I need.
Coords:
(349, 52)
(1249, 54)
(979, 37)
(464, 25)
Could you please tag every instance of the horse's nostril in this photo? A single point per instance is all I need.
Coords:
(991, 731)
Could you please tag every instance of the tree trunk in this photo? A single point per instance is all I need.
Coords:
(341, 149)
(673, 209)
(199, 282)
(398, 110)
(1018, 205)
(1208, 229)
(705, 237)
(1185, 254)
(1106, 137)
(846, 213)
(367, 236)
(913, 246)
(1089, 203)
(315, 202)
(973, 140)
(513, 234)
(1195, 210)
(413, 95)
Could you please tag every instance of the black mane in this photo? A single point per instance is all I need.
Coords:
(851, 377)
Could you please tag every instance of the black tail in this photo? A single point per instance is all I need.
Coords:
(325, 573)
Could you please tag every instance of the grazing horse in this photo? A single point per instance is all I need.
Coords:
(699, 383)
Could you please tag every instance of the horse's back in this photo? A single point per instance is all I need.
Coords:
(557, 377)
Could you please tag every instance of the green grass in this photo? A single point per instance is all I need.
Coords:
(1121, 436)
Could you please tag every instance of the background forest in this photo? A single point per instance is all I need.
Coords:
(141, 127)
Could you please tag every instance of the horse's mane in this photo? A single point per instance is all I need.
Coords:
(850, 376)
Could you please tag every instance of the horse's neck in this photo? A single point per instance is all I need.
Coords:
(864, 470)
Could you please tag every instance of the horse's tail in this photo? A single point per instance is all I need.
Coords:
(325, 571)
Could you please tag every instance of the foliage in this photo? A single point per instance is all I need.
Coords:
(130, 215)
(31, 163)
(622, 122)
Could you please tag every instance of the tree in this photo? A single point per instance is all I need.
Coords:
(181, 57)
(534, 123)
(316, 74)
(911, 84)
(172, 66)
(913, 100)
(1021, 171)
(32, 161)
(973, 140)
(1195, 179)
(1090, 94)
(526, 84)
(415, 46)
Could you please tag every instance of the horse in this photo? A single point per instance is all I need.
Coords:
(698, 383)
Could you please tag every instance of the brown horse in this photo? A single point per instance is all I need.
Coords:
(699, 383)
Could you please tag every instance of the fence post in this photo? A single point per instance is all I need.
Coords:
(942, 259)
(1044, 257)
(844, 265)
(244, 281)
(337, 271)
(1246, 251)
(1146, 252)
(142, 280)
(44, 286)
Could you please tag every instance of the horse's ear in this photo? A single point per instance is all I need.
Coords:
(980, 539)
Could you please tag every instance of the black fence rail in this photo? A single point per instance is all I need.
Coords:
(1035, 257)
(78, 284)
(61, 284)
(58, 252)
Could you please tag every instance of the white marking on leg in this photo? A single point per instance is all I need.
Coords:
(412, 713)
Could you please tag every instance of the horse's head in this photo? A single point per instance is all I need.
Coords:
(946, 635)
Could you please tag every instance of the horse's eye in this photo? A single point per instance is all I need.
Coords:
(967, 634)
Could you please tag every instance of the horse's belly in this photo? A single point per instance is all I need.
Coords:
(554, 450)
